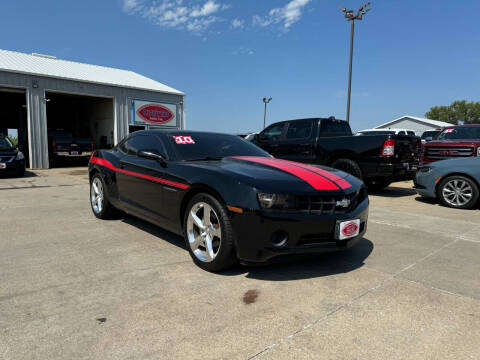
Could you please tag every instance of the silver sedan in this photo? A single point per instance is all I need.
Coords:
(454, 182)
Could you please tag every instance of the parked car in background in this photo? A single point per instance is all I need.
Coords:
(229, 199)
(454, 182)
(63, 143)
(386, 132)
(377, 159)
(12, 161)
(453, 142)
(430, 135)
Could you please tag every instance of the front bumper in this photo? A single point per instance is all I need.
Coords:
(13, 167)
(306, 233)
(424, 184)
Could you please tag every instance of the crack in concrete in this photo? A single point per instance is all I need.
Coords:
(368, 291)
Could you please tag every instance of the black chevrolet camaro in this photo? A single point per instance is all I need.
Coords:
(229, 199)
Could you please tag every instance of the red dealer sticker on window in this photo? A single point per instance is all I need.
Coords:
(182, 140)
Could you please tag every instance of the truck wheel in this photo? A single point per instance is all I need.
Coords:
(458, 192)
(377, 184)
(209, 234)
(349, 166)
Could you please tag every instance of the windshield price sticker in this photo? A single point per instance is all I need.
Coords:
(183, 140)
(448, 131)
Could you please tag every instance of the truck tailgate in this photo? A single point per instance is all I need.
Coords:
(407, 148)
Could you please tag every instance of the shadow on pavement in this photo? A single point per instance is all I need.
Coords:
(286, 268)
(28, 174)
(393, 192)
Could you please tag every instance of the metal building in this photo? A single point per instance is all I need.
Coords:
(40, 93)
(417, 124)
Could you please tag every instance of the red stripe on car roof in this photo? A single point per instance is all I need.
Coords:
(315, 180)
(109, 165)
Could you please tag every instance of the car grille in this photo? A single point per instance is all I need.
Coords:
(6, 158)
(328, 205)
(447, 152)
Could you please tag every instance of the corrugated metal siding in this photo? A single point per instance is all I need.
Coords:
(37, 121)
(17, 62)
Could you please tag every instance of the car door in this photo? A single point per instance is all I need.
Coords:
(270, 138)
(136, 179)
(297, 144)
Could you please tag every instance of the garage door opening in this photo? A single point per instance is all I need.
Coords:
(77, 124)
(13, 117)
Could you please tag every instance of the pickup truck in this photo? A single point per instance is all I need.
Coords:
(452, 143)
(63, 143)
(377, 159)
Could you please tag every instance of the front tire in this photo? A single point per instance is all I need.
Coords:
(208, 233)
(458, 192)
(101, 207)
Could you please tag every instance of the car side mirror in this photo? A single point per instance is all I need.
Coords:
(147, 154)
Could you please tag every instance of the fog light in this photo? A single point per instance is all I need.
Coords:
(279, 238)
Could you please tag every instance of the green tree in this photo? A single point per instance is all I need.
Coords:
(460, 110)
(13, 140)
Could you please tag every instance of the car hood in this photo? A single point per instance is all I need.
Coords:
(275, 175)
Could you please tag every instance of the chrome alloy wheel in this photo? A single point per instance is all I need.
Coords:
(204, 232)
(96, 195)
(457, 192)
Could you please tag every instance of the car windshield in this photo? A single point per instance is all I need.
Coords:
(460, 133)
(5, 144)
(429, 134)
(208, 146)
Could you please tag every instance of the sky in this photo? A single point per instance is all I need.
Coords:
(226, 55)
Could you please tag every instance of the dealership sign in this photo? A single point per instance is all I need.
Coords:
(147, 112)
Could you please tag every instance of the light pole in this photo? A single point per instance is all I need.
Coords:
(350, 16)
(265, 101)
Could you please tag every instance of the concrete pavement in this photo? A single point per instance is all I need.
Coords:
(72, 286)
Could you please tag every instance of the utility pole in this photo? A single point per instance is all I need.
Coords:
(265, 101)
(350, 16)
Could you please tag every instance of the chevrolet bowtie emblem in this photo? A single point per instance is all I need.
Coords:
(343, 203)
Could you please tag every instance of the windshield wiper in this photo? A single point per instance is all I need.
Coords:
(206, 158)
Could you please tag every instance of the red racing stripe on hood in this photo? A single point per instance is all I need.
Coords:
(344, 184)
(315, 180)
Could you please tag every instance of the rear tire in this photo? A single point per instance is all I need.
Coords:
(349, 166)
(209, 237)
(21, 172)
(101, 207)
(458, 192)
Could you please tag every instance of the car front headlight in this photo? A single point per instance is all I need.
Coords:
(478, 151)
(20, 156)
(275, 201)
(425, 169)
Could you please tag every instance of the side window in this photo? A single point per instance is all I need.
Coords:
(273, 132)
(144, 142)
(401, 133)
(411, 133)
(334, 128)
(299, 130)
